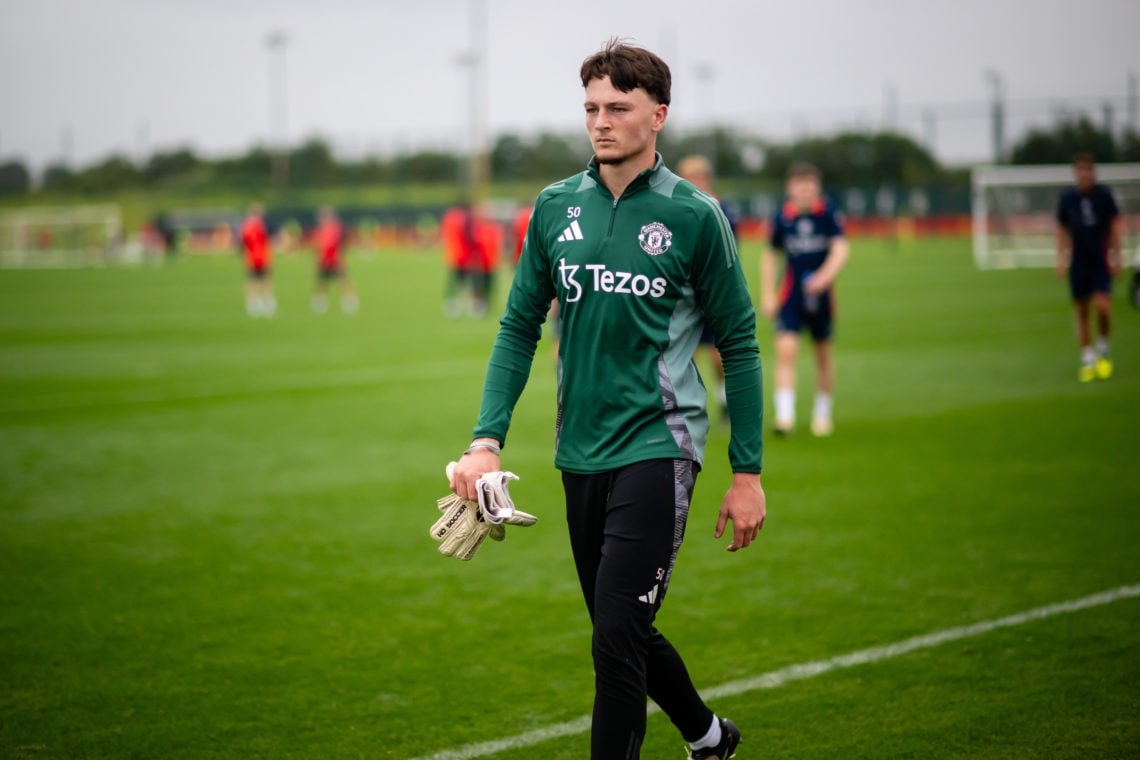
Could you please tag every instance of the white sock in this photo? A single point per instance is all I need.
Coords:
(785, 405)
(251, 307)
(822, 406)
(270, 306)
(349, 304)
(711, 738)
(320, 304)
(1087, 355)
(1102, 346)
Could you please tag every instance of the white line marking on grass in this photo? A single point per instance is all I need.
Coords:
(801, 671)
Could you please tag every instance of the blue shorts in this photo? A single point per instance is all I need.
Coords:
(814, 312)
(1085, 280)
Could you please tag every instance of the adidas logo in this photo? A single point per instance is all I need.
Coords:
(573, 232)
(651, 596)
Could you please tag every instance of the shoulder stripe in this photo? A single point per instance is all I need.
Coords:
(726, 235)
(664, 182)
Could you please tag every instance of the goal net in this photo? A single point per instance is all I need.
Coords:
(1015, 212)
(61, 236)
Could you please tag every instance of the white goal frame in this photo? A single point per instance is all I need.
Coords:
(1026, 236)
(87, 235)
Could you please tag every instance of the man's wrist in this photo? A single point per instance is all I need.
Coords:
(484, 443)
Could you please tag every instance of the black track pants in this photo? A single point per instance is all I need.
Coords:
(625, 529)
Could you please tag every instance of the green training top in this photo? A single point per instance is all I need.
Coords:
(635, 280)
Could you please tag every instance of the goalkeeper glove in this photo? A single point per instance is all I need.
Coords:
(465, 524)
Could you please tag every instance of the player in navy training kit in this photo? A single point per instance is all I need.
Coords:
(1088, 250)
(808, 231)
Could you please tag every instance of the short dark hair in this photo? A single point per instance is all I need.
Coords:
(628, 68)
(1083, 157)
(803, 170)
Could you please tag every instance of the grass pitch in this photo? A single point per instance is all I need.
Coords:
(213, 530)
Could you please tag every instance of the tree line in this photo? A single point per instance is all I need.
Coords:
(848, 159)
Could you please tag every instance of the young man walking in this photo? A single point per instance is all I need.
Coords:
(638, 260)
(1088, 252)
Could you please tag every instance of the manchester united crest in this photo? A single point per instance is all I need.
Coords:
(655, 238)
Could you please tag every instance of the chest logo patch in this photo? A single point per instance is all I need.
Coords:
(804, 227)
(655, 238)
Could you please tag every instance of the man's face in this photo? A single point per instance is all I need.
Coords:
(803, 191)
(621, 125)
(1085, 175)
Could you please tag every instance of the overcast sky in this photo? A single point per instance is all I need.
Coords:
(84, 78)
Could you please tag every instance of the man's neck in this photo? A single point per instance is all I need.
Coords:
(617, 177)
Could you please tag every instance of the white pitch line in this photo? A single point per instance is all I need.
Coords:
(801, 671)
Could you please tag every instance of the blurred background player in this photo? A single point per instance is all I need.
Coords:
(472, 246)
(1088, 250)
(259, 300)
(808, 231)
(329, 240)
(522, 222)
(457, 235)
(487, 252)
(698, 170)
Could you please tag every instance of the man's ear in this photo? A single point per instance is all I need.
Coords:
(659, 115)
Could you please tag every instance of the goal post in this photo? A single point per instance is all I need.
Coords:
(61, 236)
(1015, 212)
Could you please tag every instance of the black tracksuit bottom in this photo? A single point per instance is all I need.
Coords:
(625, 529)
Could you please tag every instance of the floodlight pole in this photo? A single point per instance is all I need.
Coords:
(478, 172)
(706, 75)
(997, 113)
(891, 107)
(930, 128)
(1133, 102)
(276, 42)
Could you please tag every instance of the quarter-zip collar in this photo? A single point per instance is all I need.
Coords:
(639, 183)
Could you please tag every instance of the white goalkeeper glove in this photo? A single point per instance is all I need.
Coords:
(465, 524)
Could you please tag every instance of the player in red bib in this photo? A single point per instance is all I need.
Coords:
(259, 299)
(457, 236)
(329, 239)
(522, 221)
(472, 246)
(808, 231)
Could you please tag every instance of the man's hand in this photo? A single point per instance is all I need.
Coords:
(465, 523)
(744, 505)
(816, 284)
(1062, 271)
(471, 467)
(768, 305)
